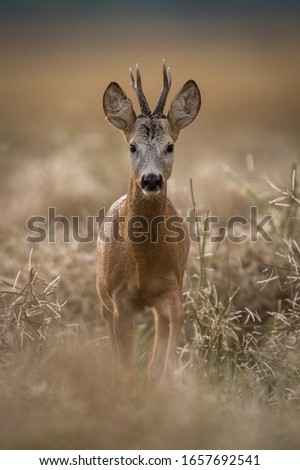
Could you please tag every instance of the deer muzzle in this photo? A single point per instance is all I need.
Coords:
(151, 184)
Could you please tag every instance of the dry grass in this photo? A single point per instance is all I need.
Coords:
(28, 312)
(238, 382)
(68, 399)
(76, 406)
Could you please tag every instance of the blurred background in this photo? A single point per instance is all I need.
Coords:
(57, 150)
(57, 57)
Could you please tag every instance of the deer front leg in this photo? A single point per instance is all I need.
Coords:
(108, 317)
(124, 336)
(170, 316)
(160, 346)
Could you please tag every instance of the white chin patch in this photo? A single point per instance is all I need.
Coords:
(151, 193)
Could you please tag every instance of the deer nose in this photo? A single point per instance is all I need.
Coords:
(152, 182)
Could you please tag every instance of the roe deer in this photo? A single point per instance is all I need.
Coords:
(139, 263)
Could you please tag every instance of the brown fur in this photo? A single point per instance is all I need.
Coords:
(132, 276)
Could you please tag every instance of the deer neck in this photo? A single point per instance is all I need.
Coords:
(149, 207)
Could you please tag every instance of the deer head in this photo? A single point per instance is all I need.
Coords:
(151, 135)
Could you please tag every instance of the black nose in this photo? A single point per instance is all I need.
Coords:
(151, 182)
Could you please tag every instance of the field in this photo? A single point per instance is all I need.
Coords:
(238, 378)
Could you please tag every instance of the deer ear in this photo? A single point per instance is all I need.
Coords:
(118, 108)
(185, 106)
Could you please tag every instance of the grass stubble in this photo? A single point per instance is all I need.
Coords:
(237, 383)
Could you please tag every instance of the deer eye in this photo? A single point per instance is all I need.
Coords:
(170, 148)
(132, 148)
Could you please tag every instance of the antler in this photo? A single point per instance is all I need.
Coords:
(137, 86)
(159, 108)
